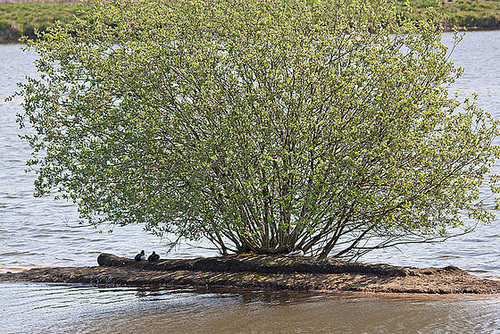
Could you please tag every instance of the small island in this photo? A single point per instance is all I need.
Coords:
(269, 272)
(326, 129)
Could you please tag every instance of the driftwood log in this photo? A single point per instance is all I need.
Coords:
(271, 264)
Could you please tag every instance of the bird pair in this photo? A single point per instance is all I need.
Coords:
(142, 257)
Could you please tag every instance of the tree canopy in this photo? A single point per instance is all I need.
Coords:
(263, 125)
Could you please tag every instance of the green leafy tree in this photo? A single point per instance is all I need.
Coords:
(263, 125)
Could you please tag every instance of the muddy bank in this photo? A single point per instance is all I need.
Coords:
(265, 272)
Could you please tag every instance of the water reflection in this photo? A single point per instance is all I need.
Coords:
(42, 308)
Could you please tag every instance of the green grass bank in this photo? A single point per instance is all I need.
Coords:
(22, 17)
(464, 14)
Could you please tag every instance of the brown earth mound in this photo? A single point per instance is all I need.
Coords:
(265, 272)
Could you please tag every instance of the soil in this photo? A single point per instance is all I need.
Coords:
(265, 272)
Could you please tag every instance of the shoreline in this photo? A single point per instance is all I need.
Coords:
(17, 17)
(17, 34)
(266, 273)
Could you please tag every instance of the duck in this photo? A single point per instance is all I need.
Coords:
(296, 253)
(153, 257)
(141, 256)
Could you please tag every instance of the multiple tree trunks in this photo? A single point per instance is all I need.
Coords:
(265, 272)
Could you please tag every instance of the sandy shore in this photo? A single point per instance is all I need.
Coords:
(265, 272)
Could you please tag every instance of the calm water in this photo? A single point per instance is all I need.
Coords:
(38, 232)
(76, 309)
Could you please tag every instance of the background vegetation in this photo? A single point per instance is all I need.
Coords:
(462, 13)
(22, 17)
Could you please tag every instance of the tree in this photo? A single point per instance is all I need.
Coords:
(264, 126)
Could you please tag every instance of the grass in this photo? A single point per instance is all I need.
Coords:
(474, 13)
(22, 17)
(17, 20)
(462, 13)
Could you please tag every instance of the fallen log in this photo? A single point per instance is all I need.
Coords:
(266, 264)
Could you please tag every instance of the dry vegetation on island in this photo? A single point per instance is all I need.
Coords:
(265, 272)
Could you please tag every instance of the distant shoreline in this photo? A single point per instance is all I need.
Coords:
(265, 272)
(22, 17)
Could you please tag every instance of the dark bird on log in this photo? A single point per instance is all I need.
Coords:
(153, 257)
(141, 256)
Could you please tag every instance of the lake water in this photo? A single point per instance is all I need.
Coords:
(37, 232)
